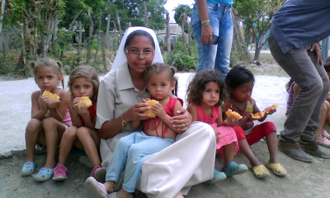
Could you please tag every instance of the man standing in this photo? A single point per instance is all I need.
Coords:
(296, 29)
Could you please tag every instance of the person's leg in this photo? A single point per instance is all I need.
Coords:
(90, 141)
(53, 130)
(119, 160)
(226, 32)
(34, 133)
(206, 52)
(33, 129)
(166, 173)
(67, 140)
(137, 154)
(229, 153)
(259, 170)
(319, 137)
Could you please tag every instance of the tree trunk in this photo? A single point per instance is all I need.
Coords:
(168, 36)
(79, 43)
(20, 67)
(119, 26)
(184, 45)
(104, 46)
(98, 40)
(90, 37)
(189, 37)
(2, 12)
(146, 21)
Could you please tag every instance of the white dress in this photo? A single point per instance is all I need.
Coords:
(188, 161)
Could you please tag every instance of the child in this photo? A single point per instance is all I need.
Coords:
(83, 81)
(205, 94)
(321, 135)
(133, 149)
(50, 118)
(239, 82)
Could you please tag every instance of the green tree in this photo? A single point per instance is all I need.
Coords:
(256, 16)
(178, 17)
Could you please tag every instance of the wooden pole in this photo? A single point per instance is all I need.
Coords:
(168, 36)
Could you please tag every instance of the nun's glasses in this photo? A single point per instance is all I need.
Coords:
(137, 53)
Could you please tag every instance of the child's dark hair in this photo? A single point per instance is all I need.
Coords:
(132, 35)
(158, 68)
(237, 76)
(47, 62)
(288, 84)
(198, 83)
(85, 71)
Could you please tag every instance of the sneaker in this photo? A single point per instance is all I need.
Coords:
(217, 176)
(60, 173)
(95, 188)
(294, 151)
(94, 169)
(314, 149)
(234, 169)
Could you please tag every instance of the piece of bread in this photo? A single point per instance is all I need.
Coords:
(258, 115)
(151, 103)
(230, 113)
(273, 107)
(50, 95)
(86, 100)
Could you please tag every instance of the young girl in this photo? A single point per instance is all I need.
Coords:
(83, 81)
(205, 94)
(133, 149)
(50, 118)
(239, 82)
(321, 135)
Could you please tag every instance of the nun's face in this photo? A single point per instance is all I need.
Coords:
(139, 54)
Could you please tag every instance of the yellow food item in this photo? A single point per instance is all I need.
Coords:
(273, 107)
(151, 103)
(85, 100)
(230, 113)
(50, 95)
(258, 115)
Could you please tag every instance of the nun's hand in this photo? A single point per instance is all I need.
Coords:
(136, 111)
(182, 121)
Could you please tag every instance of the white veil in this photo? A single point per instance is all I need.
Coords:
(121, 57)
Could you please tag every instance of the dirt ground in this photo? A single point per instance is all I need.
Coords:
(303, 180)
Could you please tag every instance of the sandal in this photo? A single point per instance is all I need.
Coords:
(44, 174)
(217, 176)
(277, 169)
(96, 189)
(324, 142)
(28, 168)
(234, 169)
(260, 171)
(325, 134)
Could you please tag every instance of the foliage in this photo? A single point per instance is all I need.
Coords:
(256, 16)
(178, 17)
(183, 62)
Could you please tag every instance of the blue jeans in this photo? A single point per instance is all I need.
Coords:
(130, 153)
(215, 57)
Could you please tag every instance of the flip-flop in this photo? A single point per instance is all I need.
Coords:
(324, 142)
(325, 134)
(277, 169)
(44, 174)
